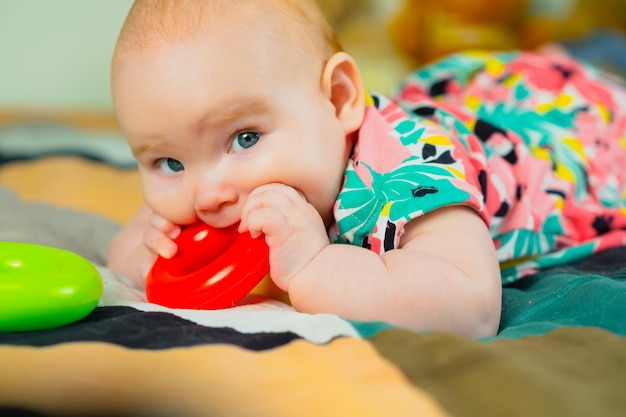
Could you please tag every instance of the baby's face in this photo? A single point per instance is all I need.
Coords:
(210, 119)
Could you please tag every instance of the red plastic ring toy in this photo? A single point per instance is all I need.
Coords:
(213, 269)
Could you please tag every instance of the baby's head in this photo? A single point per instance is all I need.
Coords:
(218, 97)
(298, 25)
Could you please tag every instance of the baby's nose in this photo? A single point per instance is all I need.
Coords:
(212, 196)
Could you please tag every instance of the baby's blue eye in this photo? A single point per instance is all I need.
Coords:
(170, 165)
(245, 140)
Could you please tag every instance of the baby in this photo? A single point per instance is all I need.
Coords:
(249, 112)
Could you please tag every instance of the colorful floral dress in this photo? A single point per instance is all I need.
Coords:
(535, 144)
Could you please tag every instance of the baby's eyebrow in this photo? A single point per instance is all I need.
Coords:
(138, 150)
(236, 112)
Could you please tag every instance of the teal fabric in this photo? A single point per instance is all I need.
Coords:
(587, 293)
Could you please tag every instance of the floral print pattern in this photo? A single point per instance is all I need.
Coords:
(536, 144)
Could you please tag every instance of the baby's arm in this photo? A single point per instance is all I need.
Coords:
(445, 274)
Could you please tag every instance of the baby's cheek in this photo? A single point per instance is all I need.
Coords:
(175, 207)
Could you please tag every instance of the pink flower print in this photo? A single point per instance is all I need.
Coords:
(489, 90)
(379, 149)
(412, 93)
(594, 92)
(392, 113)
(611, 240)
(544, 74)
(588, 127)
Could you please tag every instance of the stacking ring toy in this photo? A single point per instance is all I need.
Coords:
(213, 269)
(43, 287)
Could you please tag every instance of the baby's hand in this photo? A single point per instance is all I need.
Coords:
(294, 230)
(158, 237)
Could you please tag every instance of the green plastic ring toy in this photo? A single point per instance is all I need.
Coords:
(43, 287)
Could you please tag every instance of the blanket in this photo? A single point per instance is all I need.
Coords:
(561, 349)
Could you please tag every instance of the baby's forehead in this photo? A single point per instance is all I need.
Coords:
(151, 22)
(165, 20)
(291, 23)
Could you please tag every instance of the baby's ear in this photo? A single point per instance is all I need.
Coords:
(341, 82)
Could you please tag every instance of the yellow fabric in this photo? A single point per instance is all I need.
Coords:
(344, 378)
(76, 183)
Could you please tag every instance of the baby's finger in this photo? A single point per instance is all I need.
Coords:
(278, 196)
(260, 202)
(268, 221)
(286, 192)
(167, 227)
(159, 243)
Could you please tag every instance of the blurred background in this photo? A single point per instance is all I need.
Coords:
(55, 54)
(59, 141)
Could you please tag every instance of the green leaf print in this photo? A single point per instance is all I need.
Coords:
(361, 204)
(414, 188)
(549, 138)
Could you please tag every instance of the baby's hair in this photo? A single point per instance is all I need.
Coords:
(299, 24)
